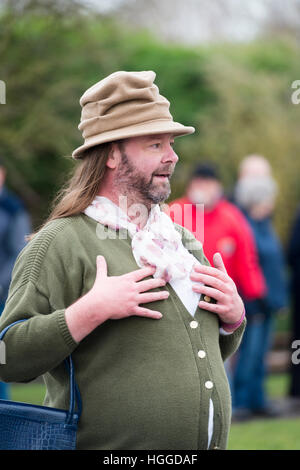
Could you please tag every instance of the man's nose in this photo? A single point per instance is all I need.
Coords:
(170, 156)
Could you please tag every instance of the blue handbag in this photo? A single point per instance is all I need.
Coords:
(32, 427)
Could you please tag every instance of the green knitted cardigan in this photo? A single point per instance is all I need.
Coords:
(145, 383)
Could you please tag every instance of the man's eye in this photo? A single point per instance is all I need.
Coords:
(156, 146)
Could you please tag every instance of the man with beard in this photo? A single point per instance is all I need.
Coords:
(155, 379)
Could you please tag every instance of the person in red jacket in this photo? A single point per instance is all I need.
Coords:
(221, 227)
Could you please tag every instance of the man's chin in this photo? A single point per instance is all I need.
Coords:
(160, 197)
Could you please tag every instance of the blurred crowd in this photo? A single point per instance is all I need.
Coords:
(240, 227)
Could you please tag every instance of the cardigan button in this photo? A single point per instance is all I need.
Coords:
(201, 354)
(193, 324)
(209, 384)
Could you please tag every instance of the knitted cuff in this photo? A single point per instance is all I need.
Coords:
(233, 326)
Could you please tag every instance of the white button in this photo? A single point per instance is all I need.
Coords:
(193, 324)
(209, 384)
(201, 354)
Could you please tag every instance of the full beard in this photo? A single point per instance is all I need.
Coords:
(136, 186)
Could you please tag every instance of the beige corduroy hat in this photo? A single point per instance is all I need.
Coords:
(125, 104)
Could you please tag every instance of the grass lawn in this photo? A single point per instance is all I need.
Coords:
(29, 393)
(268, 434)
(272, 434)
(277, 385)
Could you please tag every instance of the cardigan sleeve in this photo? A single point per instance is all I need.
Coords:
(230, 343)
(43, 341)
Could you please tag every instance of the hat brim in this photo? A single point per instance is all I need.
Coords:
(148, 128)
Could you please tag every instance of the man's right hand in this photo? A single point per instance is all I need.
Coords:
(114, 298)
(119, 296)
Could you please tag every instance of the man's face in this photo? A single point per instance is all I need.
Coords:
(146, 166)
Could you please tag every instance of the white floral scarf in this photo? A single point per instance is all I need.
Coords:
(157, 244)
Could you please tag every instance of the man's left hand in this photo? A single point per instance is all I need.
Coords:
(219, 286)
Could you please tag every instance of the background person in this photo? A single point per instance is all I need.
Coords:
(293, 254)
(255, 194)
(14, 226)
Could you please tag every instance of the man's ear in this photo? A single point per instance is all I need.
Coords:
(114, 157)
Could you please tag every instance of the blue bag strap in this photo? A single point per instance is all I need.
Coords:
(74, 390)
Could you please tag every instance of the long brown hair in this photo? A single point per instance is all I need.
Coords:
(82, 186)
